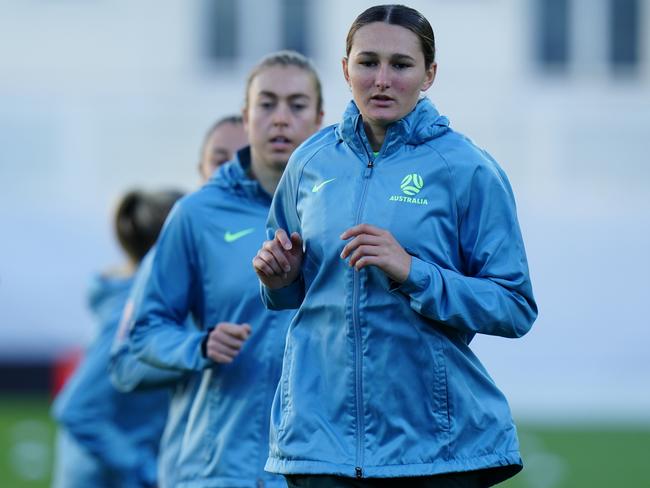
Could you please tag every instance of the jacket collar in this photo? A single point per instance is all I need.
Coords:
(422, 124)
(235, 176)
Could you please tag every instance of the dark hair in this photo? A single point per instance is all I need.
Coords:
(287, 58)
(139, 218)
(400, 15)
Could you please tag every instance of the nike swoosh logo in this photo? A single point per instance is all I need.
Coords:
(233, 236)
(321, 185)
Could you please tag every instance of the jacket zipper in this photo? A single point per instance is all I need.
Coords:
(357, 334)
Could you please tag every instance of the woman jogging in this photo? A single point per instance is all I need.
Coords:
(202, 269)
(127, 372)
(107, 438)
(397, 240)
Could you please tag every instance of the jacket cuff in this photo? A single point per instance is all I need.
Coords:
(417, 279)
(204, 343)
(289, 297)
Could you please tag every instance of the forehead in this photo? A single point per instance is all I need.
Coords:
(227, 132)
(283, 81)
(383, 38)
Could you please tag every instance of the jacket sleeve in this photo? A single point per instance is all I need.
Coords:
(127, 372)
(493, 294)
(86, 408)
(160, 335)
(284, 215)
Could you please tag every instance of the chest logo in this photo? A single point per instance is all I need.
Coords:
(233, 236)
(411, 185)
(320, 185)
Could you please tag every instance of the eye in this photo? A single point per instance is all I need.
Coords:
(400, 66)
(266, 104)
(297, 107)
(368, 63)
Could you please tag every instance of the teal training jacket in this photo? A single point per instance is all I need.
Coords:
(378, 378)
(202, 269)
(128, 373)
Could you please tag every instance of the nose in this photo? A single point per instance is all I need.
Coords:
(281, 115)
(382, 80)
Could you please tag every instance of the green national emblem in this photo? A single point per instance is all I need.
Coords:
(412, 184)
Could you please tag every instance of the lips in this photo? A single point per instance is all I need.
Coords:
(381, 100)
(280, 143)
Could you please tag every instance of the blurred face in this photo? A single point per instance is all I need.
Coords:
(280, 114)
(220, 147)
(386, 72)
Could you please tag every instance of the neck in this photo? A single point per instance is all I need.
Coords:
(268, 176)
(376, 134)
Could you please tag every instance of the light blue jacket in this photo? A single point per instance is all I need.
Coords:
(378, 379)
(121, 431)
(128, 373)
(202, 268)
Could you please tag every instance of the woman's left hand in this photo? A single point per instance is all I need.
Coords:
(372, 246)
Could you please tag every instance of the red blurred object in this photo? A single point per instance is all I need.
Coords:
(64, 366)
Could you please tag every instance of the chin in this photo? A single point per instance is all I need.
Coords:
(280, 164)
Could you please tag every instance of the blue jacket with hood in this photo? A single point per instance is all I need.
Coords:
(129, 373)
(378, 378)
(202, 268)
(120, 430)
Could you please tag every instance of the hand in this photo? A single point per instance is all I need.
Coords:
(278, 262)
(225, 341)
(372, 246)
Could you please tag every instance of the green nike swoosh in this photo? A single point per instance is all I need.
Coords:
(233, 236)
(321, 185)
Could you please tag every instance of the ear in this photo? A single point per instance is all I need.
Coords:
(346, 75)
(430, 75)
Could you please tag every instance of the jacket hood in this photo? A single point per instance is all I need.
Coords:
(105, 294)
(421, 125)
(234, 177)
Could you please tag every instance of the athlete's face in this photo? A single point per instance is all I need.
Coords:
(281, 113)
(220, 147)
(386, 72)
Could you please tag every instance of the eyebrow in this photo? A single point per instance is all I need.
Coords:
(290, 96)
(393, 56)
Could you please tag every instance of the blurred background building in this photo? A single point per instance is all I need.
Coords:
(103, 95)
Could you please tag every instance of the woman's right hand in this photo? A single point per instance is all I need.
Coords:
(278, 262)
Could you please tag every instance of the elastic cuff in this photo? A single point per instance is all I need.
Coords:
(289, 297)
(417, 278)
(204, 343)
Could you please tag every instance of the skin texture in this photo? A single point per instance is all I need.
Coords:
(281, 113)
(386, 73)
(220, 147)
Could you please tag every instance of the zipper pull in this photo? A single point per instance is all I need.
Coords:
(358, 472)
(369, 169)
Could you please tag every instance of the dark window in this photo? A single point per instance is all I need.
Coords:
(295, 25)
(624, 33)
(221, 29)
(553, 33)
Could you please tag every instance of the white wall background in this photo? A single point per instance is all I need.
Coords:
(98, 97)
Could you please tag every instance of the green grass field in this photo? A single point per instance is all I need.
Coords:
(555, 457)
